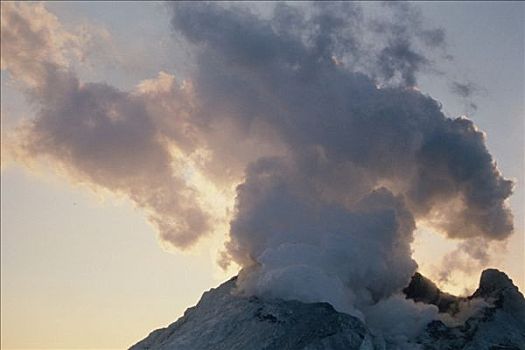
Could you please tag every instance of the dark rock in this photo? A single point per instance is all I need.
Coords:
(421, 289)
(499, 326)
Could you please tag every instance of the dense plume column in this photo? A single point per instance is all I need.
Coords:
(318, 100)
(348, 128)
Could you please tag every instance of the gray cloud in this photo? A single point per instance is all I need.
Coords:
(335, 171)
(313, 109)
(94, 133)
(394, 134)
(106, 137)
(308, 235)
(290, 85)
(464, 90)
(333, 218)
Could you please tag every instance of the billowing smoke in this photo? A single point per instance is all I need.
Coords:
(309, 236)
(342, 131)
(94, 133)
(314, 110)
(367, 155)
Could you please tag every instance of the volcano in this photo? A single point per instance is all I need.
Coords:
(223, 319)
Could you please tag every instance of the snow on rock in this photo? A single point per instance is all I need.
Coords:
(493, 318)
(222, 320)
(500, 326)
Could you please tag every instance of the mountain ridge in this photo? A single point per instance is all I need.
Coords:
(224, 320)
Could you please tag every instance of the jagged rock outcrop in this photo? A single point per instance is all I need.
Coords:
(499, 326)
(423, 290)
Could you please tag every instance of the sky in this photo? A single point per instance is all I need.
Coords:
(88, 259)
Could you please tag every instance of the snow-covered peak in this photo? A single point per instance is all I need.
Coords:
(225, 320)
(493, 283)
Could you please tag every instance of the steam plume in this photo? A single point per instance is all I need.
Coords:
(315, 111)
(333, 218)
(95, 133)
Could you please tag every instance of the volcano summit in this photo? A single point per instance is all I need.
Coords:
(493, 318)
